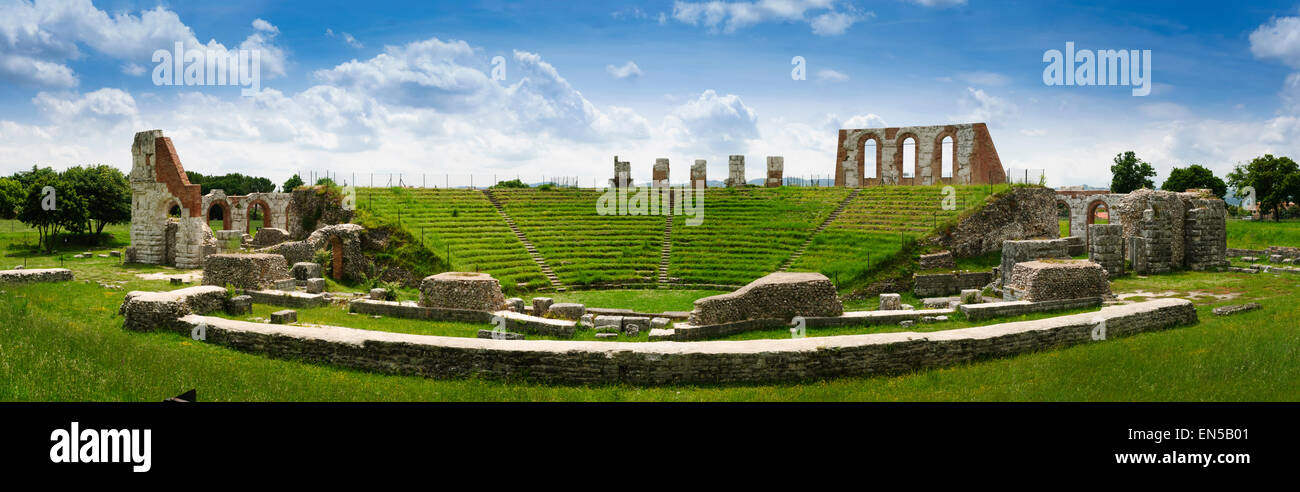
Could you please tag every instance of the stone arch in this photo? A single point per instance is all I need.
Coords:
(899, 160)
(1069, 214)
(937, 164)
(862, 158)
(266, 214)
(225, 213)
(336, 258)
(1092, 210)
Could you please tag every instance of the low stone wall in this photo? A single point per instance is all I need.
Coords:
(245, 271)
(286, 298)
(991, 310)
(147, 311)
(949, 284)
(1021, 251)
(782, 295)
(35, 275)
(659, 363)
(515, 322)
(687, 332)
(1237, 253)
(942, 259)
(1054, 280)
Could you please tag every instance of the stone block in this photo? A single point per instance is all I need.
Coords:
(780, 295)
(284, 317)
(1014, 252)
(608, 323)
(606, 335)
(315, 285)
(587, 320)
(970, 296)
(270, 236)
(1235, 308)
(659, 323)
(304, 270)
(500, 335)
(515, 304)
(36, 275)
(239, 305)
(255, 271)
(634, 325)
(379, 294)
(567, 310)
(542, 306)
(462, 290)
(891, 302)
(1053, 280)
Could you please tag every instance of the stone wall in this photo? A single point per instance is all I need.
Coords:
(1055, 280)
(35, 275)
(991, 310)
(148, 311)
(780, 295)
(735, 171)
(700, 174)
(975, 159)
(245, 271)
(942, 259)
(1020, 213)
(158, 182)
(1083, 205)
(622, 174)
(775, 171)
(1205, 232)
(1014, 252)
(949, 284)
(663, 363)
(462, 290)
(1106, 247)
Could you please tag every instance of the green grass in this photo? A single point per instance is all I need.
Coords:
(65, 342)
(1259, 234)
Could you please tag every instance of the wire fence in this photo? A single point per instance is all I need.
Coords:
(1026, 176)
(478, 181)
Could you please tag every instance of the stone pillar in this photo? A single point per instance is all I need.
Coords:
(775, 171)
(1106, 247)
(851, 178)
(622, 174)
(1206, 235)
(735, 171)
(700, 174)
(660, 178)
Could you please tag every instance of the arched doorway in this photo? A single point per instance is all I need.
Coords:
(1098, 213)
(948, 155)
(908, 150)
(219, 212)
(174, 211)
(1063, 217)
(259, 216)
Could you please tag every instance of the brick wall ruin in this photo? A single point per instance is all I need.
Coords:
(975, 160)
(158, 183)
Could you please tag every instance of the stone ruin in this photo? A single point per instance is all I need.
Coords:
(780, 295)
(462, 290)
(622, 174)
(258, 271)
(1055, 280)
(345, 243)
(975, 160)
(659, 179)
(159, 183)
(1166, 231)
(775, 171)
(735, 171)
(700, 174)
(1015, 252)
(1106, 247)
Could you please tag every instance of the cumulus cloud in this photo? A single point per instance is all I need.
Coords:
(38, 39)
(980, 106)
(104, 105)
(712, 123)
(828, 75)
(826, 17)
(629, 70)
(1279, 39)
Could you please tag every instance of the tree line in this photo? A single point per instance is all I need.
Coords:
(1272, 182)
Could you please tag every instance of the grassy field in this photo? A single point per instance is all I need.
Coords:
(1253, 234)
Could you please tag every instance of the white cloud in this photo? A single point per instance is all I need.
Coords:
(712, 123)
(352, 41)
(1280, 39)
(105, 105)
(44, 36)
(981, 106)
(943, 4)
(824, 16)
(132, 69)
(628, 70)
(1165, 111)
(828, 75)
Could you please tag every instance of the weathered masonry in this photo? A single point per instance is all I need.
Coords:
(159, 186)
(974, 159)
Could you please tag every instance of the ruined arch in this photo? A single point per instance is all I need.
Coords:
(862, 157)
(900, 162)
(944, 164)
(1092, 211)
(266, 214)
(223, 208)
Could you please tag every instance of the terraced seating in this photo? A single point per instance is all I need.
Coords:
(875, 224)
(747, 232)
(581, 246)
(462, 221)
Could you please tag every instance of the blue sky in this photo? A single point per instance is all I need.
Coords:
(354, 87)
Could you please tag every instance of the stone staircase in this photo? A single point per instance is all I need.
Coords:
(668, 239)
(830, 218)
(528, 245)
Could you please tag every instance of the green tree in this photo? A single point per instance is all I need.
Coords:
(1275, 180)
(49, 213)
(1130, 173)
(292, 184)
(11, 197)
(1194, 176)
(106, 192)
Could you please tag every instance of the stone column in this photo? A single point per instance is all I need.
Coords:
(775, 171)
(660, 178)
(622, 174)
(700, 174)
(736, 171)
(1106, 247)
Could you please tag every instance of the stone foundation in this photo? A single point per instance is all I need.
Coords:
(781, 295)
(148, 311)
(35, 275)
(1058, 280)
(1014, 252)
(948, 284)
(245, 271)
(462, 290)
